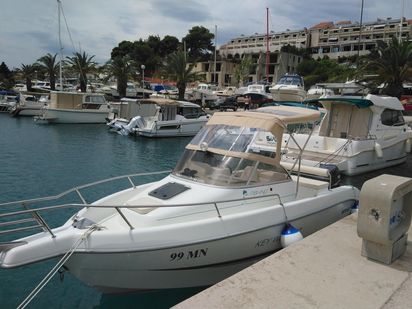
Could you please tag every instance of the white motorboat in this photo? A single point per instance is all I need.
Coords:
(158, 117)
(226, 92)
(7, 101)
(29, 105)
(72, 107)
(222, 208)
(203, 93)
(131, 91)
(317, 91)
(357, 135)
(289, 88)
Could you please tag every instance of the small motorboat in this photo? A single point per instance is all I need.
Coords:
(157, 117)
(222, 208)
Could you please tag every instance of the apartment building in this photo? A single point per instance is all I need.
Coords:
(344, 38)
(280, 63)
(331, 39)
(326, 38)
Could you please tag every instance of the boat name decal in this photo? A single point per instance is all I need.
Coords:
(248, 193)
(267, 241)
(188, 255)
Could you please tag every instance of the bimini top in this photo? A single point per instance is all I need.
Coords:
(270, 118)
(362, 102)
(158, 101)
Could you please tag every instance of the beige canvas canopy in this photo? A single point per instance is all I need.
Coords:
(271, 119)
(158, 101)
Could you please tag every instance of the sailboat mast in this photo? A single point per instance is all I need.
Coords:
(267, 45)
(214, 74)
(61, 47)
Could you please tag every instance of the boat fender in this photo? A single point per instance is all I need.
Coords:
(290, 235)
(378, 150)
(408, 145)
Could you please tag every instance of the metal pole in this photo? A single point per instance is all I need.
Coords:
(267, 45)
(214, 74)
(401, 21)
(61, 47)
(360, 33)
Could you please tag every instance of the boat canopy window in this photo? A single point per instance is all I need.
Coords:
(191, 112)
(291, 80)
(231, 156)
(391, 117)
(346, 121)
(96, 99)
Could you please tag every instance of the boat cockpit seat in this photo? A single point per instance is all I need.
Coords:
(249, 174)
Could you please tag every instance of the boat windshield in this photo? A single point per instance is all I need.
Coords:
(291, 80)
(231, 156)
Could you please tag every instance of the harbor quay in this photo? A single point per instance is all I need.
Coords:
(324, 270)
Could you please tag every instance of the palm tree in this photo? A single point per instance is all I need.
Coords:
(48, 62)
(83, 65)
(177, 68)
(391, 63)
(27, 71)
(121, 68)
(242, 70)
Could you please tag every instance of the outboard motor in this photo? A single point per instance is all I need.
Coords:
(333, 172)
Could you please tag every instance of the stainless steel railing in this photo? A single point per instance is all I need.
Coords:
(41, 223)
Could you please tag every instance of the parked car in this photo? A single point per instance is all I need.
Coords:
(225, 103)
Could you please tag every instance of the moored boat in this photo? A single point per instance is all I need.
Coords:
(222, 208)
(357, 135)
(289, 88)
(74, 107)
(158, 117)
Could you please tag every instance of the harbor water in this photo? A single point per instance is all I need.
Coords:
(43, 160)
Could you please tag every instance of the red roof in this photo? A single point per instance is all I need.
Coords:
(323, 25)
(343, 22)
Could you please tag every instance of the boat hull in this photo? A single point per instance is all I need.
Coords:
(359, 156)
(288, 95)
(74, 116)
(191, 265)
(172, 129)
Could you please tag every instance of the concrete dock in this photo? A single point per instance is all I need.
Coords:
(324, 270)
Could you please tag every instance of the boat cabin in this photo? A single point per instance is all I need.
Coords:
(291, 79)
(165, 109)
(360, 118)
(76, 100)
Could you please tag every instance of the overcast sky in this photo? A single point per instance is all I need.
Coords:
(29, 28)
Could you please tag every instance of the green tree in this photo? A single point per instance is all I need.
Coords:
(82, 64)
(27, 72)
(243, 70)
(391, 66)
(122, 68)
(123, 49)
(6, 76)
(177, 68)
(199, 43)
(49, 64)
(325, 70)
(169, 44)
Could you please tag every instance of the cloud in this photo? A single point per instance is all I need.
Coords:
(97, 26)
(187, 11)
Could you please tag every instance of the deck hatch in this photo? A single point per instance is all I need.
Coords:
(168, 190)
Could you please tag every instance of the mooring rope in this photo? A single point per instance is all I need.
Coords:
(56, 268)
